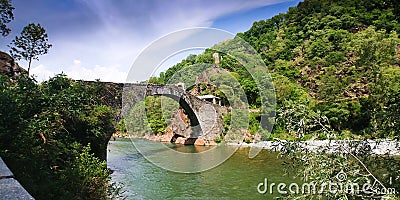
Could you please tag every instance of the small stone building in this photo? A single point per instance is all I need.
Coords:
(210, 98)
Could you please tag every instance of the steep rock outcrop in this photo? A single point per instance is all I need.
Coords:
(9, 67)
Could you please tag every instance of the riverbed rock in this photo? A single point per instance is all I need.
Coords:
(152, 137)
(257, 137)
(168, 136)
(248, 137)
(180, 140)
(190, 141)
(199, 142)
(180, 123)
(185, 141)
(211, 143)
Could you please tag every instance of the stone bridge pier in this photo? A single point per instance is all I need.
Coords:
(206, 118)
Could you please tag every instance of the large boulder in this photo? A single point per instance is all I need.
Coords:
(180, 140)
(199, 142)
(211, 143)
(180, 123)
(168, 136)
(190, 141)
(185, 141)
(9, 67)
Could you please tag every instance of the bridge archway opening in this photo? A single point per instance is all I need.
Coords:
(193, 119)
(186, 107)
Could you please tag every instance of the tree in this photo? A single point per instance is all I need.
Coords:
(6, 15)
(53, 134)
(376, 54)
(32, 43)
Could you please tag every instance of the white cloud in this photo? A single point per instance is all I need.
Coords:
(111, 73)
(107, 74)
(42, 73)
(77, 62)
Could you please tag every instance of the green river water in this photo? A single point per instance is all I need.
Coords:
(236, 178)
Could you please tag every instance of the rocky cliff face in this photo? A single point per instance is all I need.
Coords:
(8, 66)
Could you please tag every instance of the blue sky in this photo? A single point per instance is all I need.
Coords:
(101, 38)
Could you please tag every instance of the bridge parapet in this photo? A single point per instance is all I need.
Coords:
(9, 187)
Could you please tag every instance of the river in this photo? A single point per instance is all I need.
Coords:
(236, 178)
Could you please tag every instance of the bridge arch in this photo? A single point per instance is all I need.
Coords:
(134, 93)
(194, 121)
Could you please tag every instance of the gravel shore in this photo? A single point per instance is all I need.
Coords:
(373, 147)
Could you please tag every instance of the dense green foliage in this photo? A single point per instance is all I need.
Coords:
(56, 132)
(362, 176)
(150, 116)
(6, 16)
(342, 54)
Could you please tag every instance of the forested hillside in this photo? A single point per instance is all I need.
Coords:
(333, 59)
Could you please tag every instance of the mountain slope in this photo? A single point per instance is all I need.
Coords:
(338, 58)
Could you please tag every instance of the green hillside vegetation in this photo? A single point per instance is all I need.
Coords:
(335, 68)
(333, 59)
(53, 136)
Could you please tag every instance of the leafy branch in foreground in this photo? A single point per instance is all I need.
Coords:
(6, 16)
(343, 169)
(369, 167)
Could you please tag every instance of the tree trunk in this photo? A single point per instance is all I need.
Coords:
(29, 65)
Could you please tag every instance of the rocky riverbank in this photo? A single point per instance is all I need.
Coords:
(121, 135)
(373, 147)
(169, 138)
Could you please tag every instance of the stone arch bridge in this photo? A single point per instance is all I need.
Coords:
(206, 118)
